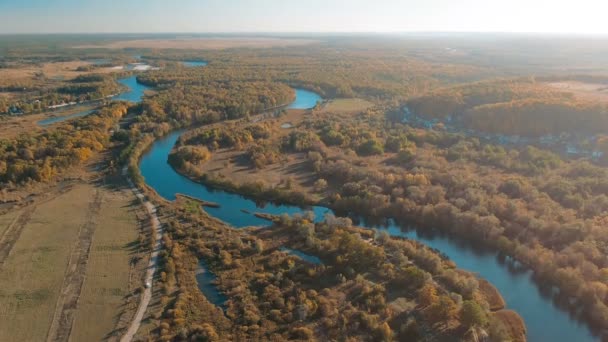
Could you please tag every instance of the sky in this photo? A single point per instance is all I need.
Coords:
(202, 16)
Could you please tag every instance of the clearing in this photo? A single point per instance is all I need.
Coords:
(54, 70)
(588, 91)
(12, 126)
(346, 106)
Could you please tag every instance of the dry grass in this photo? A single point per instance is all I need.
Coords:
(588, 91)
(514, 324)
(13, 126)
(32, 276)
(109, 275)
(232, 165)
(346, 106)
(55, 70)
(295, 171)
(202, 43)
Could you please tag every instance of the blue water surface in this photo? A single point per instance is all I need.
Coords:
(206, 283)
(135, 92)
(544, 321)
(305, 99)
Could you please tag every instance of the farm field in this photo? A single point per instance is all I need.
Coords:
(43, 254)
(32, 274)
(111, 271)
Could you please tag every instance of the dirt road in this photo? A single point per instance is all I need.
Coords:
(152, 265)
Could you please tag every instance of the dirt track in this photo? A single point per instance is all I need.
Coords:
(63, 318)
(12, 234)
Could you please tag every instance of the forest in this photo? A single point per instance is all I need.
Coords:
(541, 212)
(524, 107)
(530, 204)
(272, 295)
(39, 157)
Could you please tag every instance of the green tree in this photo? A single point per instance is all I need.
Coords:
(472, 314)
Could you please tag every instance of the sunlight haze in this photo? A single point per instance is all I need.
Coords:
(71, 16)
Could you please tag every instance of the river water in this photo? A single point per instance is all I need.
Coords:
(544, 321)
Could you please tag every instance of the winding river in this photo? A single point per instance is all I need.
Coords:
(544, 321)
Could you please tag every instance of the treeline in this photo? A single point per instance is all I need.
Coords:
(37, 96)
(39, 157)
(188, 105)
(381, 75)
(515, 107)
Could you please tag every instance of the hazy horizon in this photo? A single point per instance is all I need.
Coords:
(313, 16)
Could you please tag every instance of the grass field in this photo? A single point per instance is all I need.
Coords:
(32, 275)
(347, 106)
(108, 272)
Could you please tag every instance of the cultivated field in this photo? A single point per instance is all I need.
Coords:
(68, 264)
(31, 277)
(111, 271)
(201, 43)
